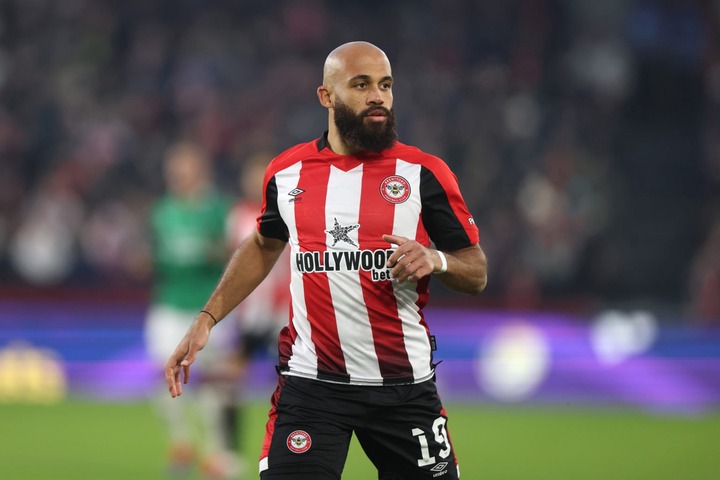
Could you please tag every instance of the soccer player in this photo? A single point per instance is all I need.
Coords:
(189, 253)
(369, 220)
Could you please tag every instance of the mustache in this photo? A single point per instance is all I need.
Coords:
(370, 110)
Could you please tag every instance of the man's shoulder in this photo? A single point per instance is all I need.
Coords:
(413, 154)
(293, 155)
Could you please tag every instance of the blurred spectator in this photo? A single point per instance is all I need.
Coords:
(43, 247)
(562, 211)
(704, 282)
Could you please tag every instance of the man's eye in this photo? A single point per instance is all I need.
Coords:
(361, 85)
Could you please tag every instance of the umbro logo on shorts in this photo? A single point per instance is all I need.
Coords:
(439, 467)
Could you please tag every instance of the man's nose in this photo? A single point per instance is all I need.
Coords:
(375, 96)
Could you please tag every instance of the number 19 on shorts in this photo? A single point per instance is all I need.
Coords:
(441, 437)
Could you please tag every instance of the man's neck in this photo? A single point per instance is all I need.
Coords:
(337, 144)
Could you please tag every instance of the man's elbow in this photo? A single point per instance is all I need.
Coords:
(478, 285)
(472, 276)
(480, 277)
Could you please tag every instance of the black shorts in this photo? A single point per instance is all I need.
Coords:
(402, 429)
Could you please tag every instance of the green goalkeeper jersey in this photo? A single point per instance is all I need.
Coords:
(189, 249)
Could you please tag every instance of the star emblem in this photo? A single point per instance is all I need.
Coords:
(340, 233)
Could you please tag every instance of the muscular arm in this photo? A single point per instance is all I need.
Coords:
(249, 265)
(466, 268)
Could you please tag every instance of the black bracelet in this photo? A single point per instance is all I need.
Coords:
(211, 316)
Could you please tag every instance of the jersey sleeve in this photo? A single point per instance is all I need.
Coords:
(270, 222)
(444, 213)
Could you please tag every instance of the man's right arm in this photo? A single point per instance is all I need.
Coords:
(249, 265)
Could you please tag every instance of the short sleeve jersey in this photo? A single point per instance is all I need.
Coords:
(349, 321)
(189, 249)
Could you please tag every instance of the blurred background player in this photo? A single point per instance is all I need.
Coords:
(261, 316)
(188, 255)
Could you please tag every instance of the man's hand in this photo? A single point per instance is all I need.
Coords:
(186, 352)
(411, 261)
(466, 268)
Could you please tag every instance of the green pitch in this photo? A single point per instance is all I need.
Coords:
(80, 440)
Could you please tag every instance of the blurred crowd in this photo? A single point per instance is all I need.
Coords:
(585, 134)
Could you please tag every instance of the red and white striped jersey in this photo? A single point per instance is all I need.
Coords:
(349, 322)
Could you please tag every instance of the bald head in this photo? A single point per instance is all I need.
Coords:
(349, 57)
(357, 92)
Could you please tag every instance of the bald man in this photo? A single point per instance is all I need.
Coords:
(369, 221)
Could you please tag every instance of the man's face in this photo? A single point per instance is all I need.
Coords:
(358, 89)
(185, 172)
(371, 130)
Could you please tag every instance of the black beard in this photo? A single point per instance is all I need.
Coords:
(374, 137)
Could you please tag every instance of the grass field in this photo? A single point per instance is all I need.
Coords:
(80, 440)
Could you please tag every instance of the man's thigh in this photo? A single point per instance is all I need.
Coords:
(308, 441)
(410, 441)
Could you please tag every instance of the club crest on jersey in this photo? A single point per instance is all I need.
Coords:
(395, 189)
(299, 441)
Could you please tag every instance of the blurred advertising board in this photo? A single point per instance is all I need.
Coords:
(52, 349)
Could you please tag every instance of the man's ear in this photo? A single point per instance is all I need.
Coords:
(324, 96)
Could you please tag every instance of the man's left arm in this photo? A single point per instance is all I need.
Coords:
(465, 270)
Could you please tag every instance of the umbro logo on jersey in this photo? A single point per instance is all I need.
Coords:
(294, 194)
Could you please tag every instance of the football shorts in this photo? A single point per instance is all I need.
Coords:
(402, 429)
